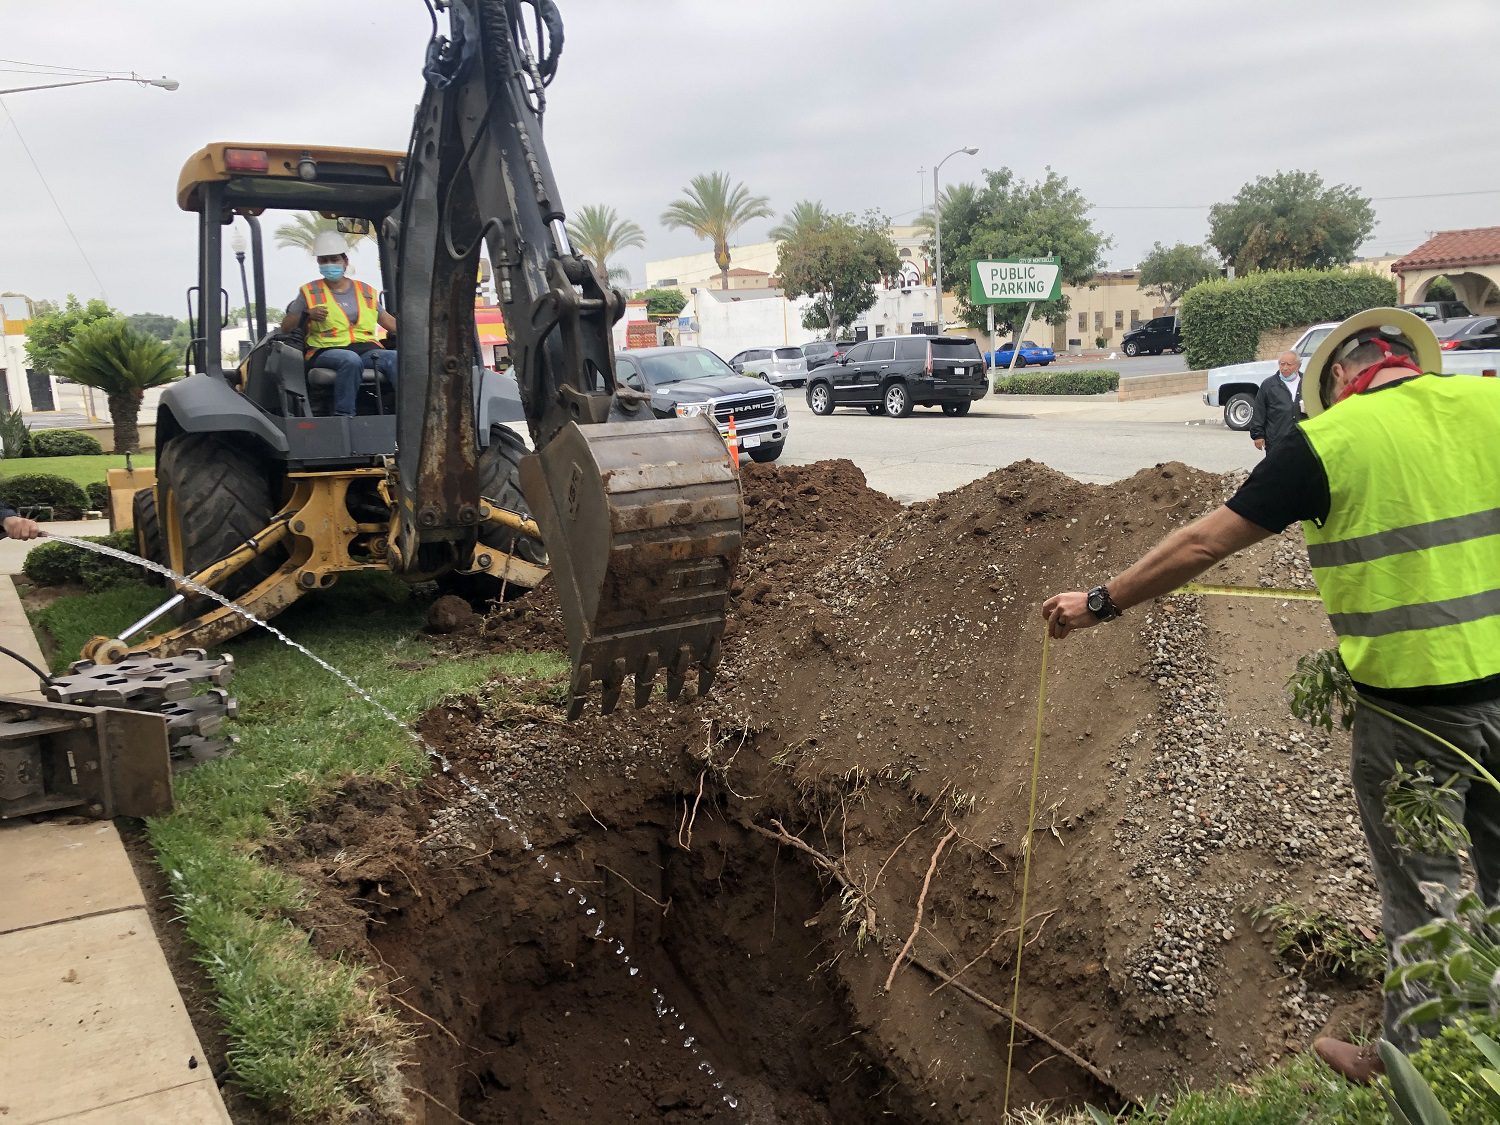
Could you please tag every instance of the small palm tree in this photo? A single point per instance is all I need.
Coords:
(714, 208)
(598, 233)
(115, 358)
(808, 215)
(304, 228)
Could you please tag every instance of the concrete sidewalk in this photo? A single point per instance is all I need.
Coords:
(92, 1028)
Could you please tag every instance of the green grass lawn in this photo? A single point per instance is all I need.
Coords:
(306, 1037)
(80, 470)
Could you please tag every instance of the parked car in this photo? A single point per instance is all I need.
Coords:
(895, 373)
(1233, 387)
(1030, 353)
(1152, 337)
(1438, 310)
(1468, 334)
(819, 352)
(783, 366)
(685, 381)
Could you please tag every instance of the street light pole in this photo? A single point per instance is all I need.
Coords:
(160, 83)
(937, 227)
(238, 244)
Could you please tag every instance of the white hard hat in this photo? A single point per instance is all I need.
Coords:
(1399, 327)
(329, 243)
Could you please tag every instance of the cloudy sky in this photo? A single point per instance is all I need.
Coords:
(1154, 110)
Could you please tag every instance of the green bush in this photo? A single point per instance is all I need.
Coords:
(15, 434)
(64, 443)
(36, 490)
(1058, 383)
(1222, 320)
(62, 564)
(98, 494)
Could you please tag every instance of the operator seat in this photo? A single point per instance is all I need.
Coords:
(320, 383)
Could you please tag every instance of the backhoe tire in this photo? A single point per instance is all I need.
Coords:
(500, 481)
(147, 525)
(212, 495)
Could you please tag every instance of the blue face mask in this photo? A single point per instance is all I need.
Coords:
(331, 271)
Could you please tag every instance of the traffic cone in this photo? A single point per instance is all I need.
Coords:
(734, 444)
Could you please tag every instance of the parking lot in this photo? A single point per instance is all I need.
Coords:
(1092, 439)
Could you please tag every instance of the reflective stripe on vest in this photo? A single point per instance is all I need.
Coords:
(335, 331)
(1408, 563)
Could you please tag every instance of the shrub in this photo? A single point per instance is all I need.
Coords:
(1222, 320)
(15, 434)
(64, 443)
(1058, 383)
(62, 564)
(35, 490)
(98, 494)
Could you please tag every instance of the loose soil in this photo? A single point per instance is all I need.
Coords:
(763, 852)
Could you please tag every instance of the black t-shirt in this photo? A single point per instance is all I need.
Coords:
(1290, 486)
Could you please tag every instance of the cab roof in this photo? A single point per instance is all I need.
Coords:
(360, 183)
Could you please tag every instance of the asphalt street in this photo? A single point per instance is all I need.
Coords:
(1092, 439)
(1140, 365)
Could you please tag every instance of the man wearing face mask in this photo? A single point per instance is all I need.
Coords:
(1278, 403)
(340, 317)
(1393, 477)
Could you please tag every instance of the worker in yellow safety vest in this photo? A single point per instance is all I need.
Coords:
(341, 318)
(1393, 476)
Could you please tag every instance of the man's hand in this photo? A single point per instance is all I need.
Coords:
(1260, 443)
(318, 313)
(1067, 612)
(19, 527)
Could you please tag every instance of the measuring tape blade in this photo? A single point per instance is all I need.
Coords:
(1278, 592)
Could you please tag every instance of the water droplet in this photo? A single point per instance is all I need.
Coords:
(731, 1101)
(556, 878)
(633, 970)
(591, 912)
(688, 1042)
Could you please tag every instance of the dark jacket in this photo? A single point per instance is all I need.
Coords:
(1276, 412)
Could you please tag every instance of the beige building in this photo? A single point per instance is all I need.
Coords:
(1469, 259)
(701, 271)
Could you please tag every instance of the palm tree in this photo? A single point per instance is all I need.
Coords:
(808, 215)
(598, 233)
(714, 208)
(115, 358)
(304, 228)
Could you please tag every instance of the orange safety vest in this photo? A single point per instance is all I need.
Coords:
(335, 331)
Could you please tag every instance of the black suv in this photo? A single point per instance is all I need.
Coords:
(895, 373)
(689, 381)
(820, 352)
(1157, 335)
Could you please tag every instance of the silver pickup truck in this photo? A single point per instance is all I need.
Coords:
(1234, 387)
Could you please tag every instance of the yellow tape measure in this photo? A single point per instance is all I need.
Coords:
(1278, 592)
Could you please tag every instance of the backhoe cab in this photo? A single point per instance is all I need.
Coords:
(262, 495)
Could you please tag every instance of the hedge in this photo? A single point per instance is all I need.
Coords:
(1222, 320)
(64, 443)
(1058, 383)
(98, 494)
(45, 490)
(62, 564)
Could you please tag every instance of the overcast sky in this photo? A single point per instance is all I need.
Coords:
(1153, 110)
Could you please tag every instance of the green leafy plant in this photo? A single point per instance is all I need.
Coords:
(1316, 943)
(714, 207)
(45, 490)
(15, 434)
(1057, 383)
(1320, 683)
(64, 443)
(1290, 221)
(62, 564)
(98, 494)
(599, 233)
(1222, 321)
(837, 264)
(1419, 809)
(123, 363)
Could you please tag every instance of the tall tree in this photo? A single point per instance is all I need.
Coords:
(1170, 271)
(159, 326)
(714, 207)
(1011, 218)
(662, 302)
(303, 228)
(838, 265)
(1290, 221)
(115, 358)
(806, 215)
(598, 233)
(52, 327)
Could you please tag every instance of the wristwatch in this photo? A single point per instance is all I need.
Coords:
(1100, 605)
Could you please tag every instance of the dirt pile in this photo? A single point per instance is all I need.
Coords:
(863, 763)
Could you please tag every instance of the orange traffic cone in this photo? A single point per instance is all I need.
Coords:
(734, 443)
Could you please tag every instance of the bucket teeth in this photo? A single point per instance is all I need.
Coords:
(614, 684)
(645, 678)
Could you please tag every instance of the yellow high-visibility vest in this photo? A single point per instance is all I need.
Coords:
(335, 331)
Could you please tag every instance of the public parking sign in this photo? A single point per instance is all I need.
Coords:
(1015, 279)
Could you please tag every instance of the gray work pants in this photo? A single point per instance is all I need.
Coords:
(1380, 743)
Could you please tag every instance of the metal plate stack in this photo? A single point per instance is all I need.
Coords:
(190, 690)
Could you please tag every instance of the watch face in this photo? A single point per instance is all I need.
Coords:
(1096, 602)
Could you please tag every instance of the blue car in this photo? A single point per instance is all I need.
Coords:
(1030, 353)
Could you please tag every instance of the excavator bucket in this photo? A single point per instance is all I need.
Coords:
(642, 523)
